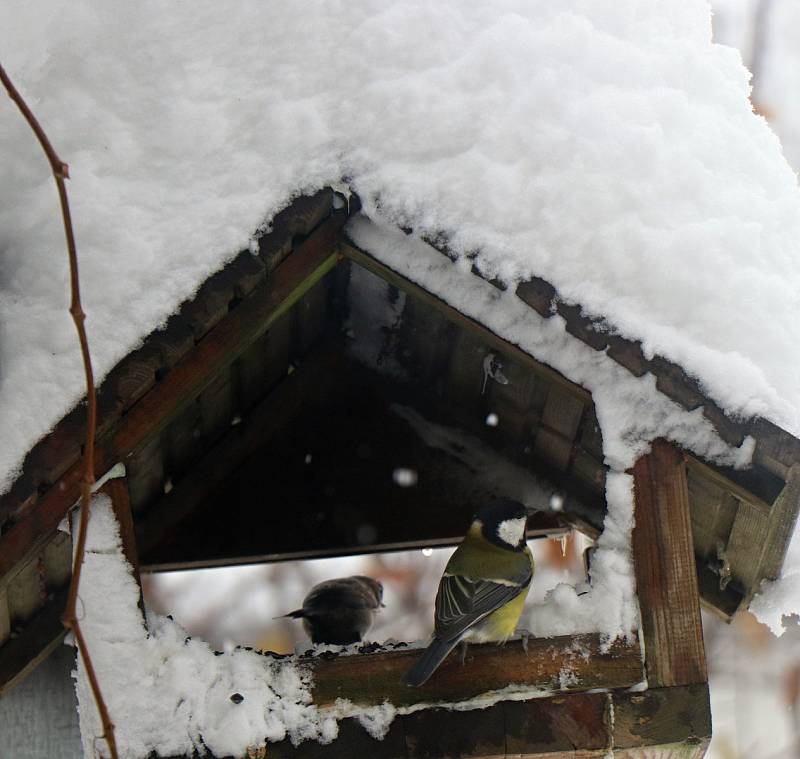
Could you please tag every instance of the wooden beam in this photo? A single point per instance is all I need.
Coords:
(666, 723)
(677, 719)
(369, 262)
(564, 664)
(664, 564)
(307, 264)
(22, 654)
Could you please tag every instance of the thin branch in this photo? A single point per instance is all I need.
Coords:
(70, 620)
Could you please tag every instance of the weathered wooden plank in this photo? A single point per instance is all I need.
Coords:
(698, 471)
(440, 734)
(303, 269)
(455, 316)
(309, 263)
(145, 474)
(173, 342)
(216, 406)
(210, 304)
(680, 716)
(57, 560)
(26, 592)
(665, 570)
(42, 633)
(776, 450)
(218, 463)
(628, 353)
(589, 469)
(183, 441)
(593, 332)
(558, 725)
(561, 418)
(5, 617)
(299, 219)
(132, 377)
(563, 664)
(743, 548)
(309, 318)
(539, 295)
(464, 379)
(782, 520)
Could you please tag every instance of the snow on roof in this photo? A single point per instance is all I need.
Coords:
(607, 147)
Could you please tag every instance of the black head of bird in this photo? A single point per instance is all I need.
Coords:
(340, 611)
(503, 523)
(483, 588)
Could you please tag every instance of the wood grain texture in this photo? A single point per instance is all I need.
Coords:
(565, 664)
(664, 564)
(663, 716)
(666, 723)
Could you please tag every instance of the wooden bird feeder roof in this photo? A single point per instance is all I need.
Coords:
(216, 415)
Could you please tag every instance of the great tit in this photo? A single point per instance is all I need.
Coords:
(340, 611)
(483, 588)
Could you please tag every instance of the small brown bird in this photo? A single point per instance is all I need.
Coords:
(340, 611)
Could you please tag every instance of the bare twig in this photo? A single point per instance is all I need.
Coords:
(70, 620)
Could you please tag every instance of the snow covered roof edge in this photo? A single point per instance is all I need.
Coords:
(776, 450)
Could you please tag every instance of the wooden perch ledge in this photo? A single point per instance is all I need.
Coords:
(563, 664)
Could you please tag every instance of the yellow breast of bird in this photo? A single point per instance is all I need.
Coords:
(501, 623)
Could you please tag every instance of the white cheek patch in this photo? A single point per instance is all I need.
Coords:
(511, 531)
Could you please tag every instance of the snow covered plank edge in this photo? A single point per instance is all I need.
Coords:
(224, 343)
(662, 722)
(564, 663)
(776, 450)
(52, 456)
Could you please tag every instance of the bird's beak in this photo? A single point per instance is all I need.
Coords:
(531, 510)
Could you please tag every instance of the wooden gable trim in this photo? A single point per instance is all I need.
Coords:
(228, 339)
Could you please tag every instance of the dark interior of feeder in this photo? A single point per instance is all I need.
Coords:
(362, 420)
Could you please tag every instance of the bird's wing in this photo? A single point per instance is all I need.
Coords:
(462, 602)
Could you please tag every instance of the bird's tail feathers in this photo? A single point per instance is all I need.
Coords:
(431, 658)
